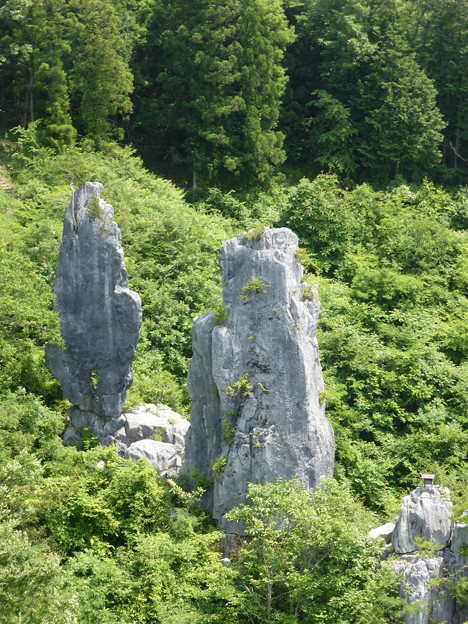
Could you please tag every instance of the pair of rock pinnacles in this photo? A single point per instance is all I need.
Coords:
(255, 382)
(257, 376)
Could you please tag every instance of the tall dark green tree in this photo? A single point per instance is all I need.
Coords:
(439, 33)
(66, 63)
(219, 81)
(33, 48)
(365, 107)
(100, 78)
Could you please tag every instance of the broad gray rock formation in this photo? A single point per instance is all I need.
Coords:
(426, 514)
(419, 587)
(100, 317)
(151, 431)
(256, 379)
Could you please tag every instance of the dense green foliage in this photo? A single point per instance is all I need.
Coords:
(373, 89)
(392, 271)
(215, 80)
(392, 276)
(366, 99)
(308, 558)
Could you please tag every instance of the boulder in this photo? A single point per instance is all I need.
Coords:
(134, 432)
(385, 532)
(100, 316)
(255, 378)
(165, 457)
(425, 513)
(155, 421)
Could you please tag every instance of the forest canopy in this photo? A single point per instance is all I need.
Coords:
(230, 92)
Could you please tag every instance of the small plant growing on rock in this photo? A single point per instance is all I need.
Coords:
(309, 293)
(255, 233)
(302, 256)
(254, 287)
(228, 431)
(94, 208)
(219, 464)
(157, 435)
(95, 379)
(221, 314)
(426, 548)
(241, 387)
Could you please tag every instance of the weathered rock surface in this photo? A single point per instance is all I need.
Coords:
(419, 587)
(163, 456)
(152, 431)
(100, 317)
(458, 563)
(255, 379)
(425, 513)
(385, 532)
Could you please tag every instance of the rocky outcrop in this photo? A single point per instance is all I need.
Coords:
(420, 587)
(425, 514)
(255, 378)
(429, 569)
(100, 321)
(154, 432)
(100, 317)
(385, 532)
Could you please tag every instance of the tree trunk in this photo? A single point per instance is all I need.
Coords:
(31, 96)
(194, 174)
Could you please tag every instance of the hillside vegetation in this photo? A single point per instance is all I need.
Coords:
(344, 120)
(392, 270)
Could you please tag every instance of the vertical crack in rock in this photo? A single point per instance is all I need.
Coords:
(100, 316)
(255, 380)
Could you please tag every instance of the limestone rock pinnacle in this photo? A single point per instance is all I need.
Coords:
(100, 316)
(255, 378)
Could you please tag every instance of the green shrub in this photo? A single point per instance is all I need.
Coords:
(254, 287)
(242, 387)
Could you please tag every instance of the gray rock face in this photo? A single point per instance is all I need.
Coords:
(165, 457)
(425, 513)
(100, 317)
(151, 431)
(255, 380)
(430, 603)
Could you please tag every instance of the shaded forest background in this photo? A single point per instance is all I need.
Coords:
(233, 92)
(342, 119)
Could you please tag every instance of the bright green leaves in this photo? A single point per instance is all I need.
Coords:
(27, 322)
(33, 587)
(307, 557)
(391, 337)
(320, 216)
